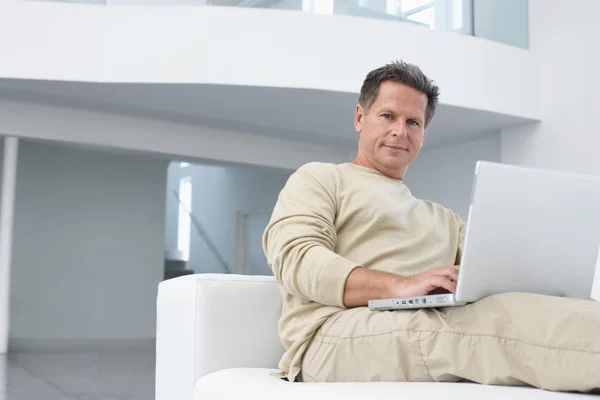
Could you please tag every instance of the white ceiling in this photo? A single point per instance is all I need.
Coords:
(316, 116)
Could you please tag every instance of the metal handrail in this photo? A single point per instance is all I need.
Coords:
(202, 232)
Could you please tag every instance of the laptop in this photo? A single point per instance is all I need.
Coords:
(529, 231)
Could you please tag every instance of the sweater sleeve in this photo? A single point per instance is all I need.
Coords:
(300, 239)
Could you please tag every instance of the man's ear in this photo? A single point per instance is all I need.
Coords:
(358, 117)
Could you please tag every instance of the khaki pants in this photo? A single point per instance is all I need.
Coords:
(510, 339)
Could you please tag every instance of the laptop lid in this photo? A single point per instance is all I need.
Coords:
(530, 230)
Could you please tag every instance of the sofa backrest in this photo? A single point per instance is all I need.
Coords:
(236, 323)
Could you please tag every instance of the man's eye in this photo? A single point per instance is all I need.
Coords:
(387, 116)
(413, 122)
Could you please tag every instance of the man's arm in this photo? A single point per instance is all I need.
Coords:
(300, 239)
(364, 284)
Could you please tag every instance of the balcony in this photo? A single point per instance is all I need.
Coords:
(201, 78)
(502, 21)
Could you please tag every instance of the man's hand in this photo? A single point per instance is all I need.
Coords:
(444, 277)
(363, 284)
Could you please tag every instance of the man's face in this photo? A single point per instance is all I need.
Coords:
(393, 129)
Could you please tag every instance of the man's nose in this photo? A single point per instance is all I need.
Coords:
(399, 128)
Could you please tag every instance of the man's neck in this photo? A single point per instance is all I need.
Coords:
(395, 174)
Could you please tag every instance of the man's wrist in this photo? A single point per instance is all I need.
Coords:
(395, 286)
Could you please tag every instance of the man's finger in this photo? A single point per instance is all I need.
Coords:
(443, 282)
(445, 270)
(452, 275)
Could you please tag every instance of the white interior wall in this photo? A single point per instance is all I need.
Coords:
(218, 194)
(565, 40)
(88, 245)
(445, 175)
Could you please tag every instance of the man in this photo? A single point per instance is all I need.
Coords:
(341, 235)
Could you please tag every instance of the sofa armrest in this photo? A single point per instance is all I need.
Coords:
(208, 322)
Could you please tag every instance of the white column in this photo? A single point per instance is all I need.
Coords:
(3, 369)
(7, 193)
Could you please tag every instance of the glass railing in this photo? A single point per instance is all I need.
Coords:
(504, 21)
(446, 15)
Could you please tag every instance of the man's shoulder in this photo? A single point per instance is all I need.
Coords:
(314, 177)
(319, 170)
(441, 210)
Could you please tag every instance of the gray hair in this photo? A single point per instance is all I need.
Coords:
(404, 73)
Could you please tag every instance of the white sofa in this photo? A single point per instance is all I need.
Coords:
(217, 339)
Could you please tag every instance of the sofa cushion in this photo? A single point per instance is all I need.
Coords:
(242, 383)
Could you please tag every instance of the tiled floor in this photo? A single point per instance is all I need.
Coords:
(95, 375)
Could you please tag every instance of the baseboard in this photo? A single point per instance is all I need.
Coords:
(50, 345)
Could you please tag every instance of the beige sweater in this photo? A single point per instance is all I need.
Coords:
(330, 219)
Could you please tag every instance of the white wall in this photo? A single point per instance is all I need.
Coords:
(88, 245)
(564, 37)
(445, 175)
(218, 193)
(474, 73)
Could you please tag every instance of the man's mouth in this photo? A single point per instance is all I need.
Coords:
(399, 148)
